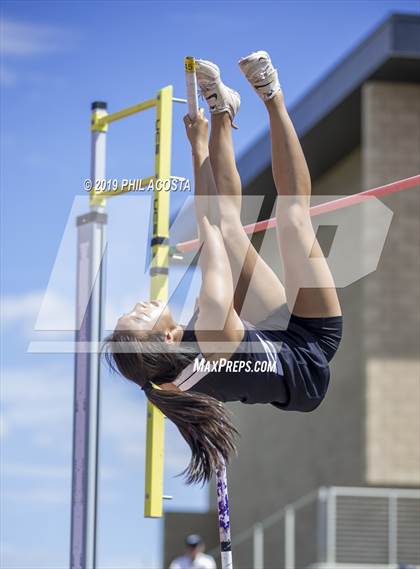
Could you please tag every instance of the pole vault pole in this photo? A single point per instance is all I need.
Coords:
(221, 474)
(90, 251)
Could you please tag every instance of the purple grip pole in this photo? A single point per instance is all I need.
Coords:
(224, 519)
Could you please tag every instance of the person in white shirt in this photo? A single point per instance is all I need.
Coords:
(194, 557)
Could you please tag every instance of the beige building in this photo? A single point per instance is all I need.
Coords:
(360, 128)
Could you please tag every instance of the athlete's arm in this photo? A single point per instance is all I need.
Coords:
(206, 202)
(218, 328)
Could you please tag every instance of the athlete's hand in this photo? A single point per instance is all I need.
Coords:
(197, 131)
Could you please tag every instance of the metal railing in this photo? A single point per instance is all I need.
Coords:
(338, 528)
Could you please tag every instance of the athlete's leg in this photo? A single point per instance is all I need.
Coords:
(258, 291)
(310, 288)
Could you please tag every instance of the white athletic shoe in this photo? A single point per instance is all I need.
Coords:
(259, 71)
(219, 97)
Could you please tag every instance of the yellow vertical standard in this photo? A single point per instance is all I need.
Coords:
(158, 291)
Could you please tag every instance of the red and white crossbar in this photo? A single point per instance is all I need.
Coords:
(340, 203)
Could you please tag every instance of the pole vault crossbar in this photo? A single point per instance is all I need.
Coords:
(326, 207)
(91, 245)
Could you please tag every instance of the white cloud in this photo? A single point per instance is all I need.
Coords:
(24, 39)
(37, 399)
(21, 470)
(47, 318)
(47, 314)
(54, 310)
(16, 308)
(44, 471)
(38, 495)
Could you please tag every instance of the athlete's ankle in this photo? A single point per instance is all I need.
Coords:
(276, 102)
(221, 119)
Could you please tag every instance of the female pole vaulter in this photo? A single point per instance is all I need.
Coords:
(253, 340)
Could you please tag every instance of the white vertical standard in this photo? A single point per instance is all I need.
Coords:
(289, 538)
(90, 251)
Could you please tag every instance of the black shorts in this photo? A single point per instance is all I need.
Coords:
(306, 346)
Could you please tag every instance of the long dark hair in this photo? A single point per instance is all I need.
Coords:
(202, 420)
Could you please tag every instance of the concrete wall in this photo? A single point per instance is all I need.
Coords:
(391, 141)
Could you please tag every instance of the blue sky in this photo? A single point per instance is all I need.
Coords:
(57, 57)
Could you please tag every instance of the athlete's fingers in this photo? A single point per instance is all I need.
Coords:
(187, 120)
